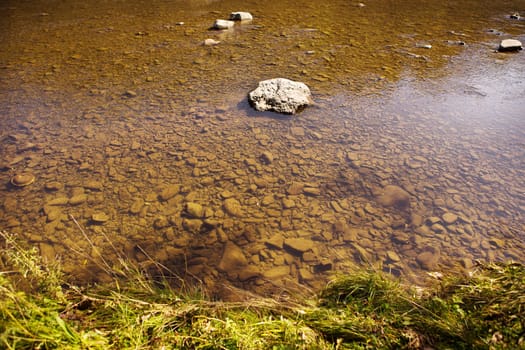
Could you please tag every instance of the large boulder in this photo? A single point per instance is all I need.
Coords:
(280, 95)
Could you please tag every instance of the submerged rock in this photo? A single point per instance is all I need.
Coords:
(510, 45)
(21, 180)
(232, 259)
(99, 218)
(241, 16)
(280, 95)
(394, 196)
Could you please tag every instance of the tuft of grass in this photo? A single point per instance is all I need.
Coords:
(364, 309)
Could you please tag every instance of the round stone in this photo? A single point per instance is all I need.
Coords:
(449, 218)
(21, 180)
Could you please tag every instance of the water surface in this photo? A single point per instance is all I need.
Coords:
(143, 146)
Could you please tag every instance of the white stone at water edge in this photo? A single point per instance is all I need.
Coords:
(510, 45)
(241, 16)
(223, 24)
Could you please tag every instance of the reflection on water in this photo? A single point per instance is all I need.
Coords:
(139, 135)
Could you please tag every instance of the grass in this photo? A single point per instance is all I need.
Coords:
(362, 310)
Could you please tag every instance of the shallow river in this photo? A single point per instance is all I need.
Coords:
(143, 147)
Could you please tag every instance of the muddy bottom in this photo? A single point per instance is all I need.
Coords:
(124, 138)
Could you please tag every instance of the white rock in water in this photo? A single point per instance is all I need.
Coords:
(223, 24)
(510, 45)
(241, 16)
(280, 95)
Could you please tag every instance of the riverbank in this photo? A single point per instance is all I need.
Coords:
(363, 309)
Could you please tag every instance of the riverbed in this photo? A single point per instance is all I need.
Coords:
(143, 147)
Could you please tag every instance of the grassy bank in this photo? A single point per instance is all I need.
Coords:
(361, 310)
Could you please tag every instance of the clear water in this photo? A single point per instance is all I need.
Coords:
(112, 105)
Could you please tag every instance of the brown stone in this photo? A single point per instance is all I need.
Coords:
(78, 199)
(277, 272)
(312, 191)
(232, 259)
(275, 241)
(298, 245)
(100, 218)
(94, 185)
(288, 203)
(449, 218)
(295, 188)
(233, 207)
(21, 180)
(137, 205)
(392, 256)
(169, 192)
(428, 259)
(54, 186)
(267, 157)
(53, 213)
(249, 272)
(194, 210)
(394, 196)
(192, 225)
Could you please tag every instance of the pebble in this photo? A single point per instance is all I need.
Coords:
(312, 191)
(394, 196)
(449, 218)
(232, 258)
(298, 245)
(169, 192)
(288, 203)
(137, 206)
(232, 207)
(276, 241)
(53, 186)
(391, 255)
(438, 228)
(94, 185)
(295, 188)
(192, 225)
(249, 272)
(53, 214)
(100, 217)
(267, 157)
(428, 259)
(58, 201)
(277, 272)
(21, 180)
(78, 199)
(194, 210)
